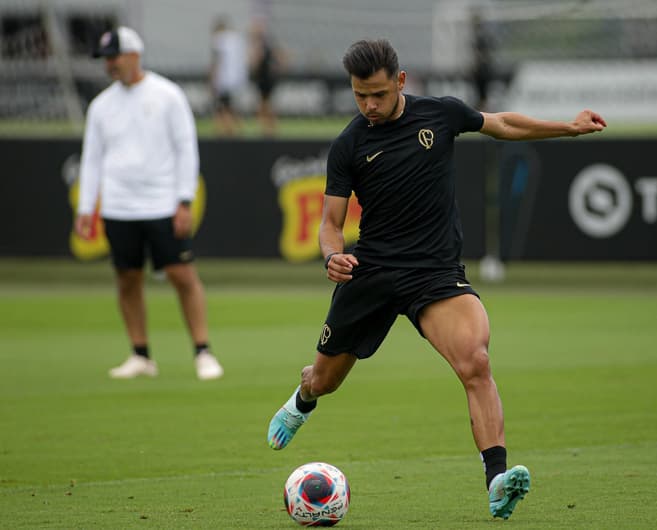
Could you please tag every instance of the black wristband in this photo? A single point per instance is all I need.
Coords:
(328, 258)
(185, 202)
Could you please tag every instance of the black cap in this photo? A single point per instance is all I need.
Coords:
(118, 41)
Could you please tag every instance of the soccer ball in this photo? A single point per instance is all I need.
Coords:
(317, 494)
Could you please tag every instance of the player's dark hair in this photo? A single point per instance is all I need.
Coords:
(365, 57)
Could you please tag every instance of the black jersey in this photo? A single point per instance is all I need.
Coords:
(402, 174)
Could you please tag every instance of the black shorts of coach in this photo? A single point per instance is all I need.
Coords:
(131, 242)
(364, 309)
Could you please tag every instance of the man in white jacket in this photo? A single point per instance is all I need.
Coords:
(140, 159)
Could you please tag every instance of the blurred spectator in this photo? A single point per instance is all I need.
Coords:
(482, 66)
(228, 75)
(267, 61)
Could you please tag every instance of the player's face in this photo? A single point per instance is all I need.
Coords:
(378, 96)
(122, 67)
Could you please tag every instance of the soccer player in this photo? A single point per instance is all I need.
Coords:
(397, 156)
(140, 157)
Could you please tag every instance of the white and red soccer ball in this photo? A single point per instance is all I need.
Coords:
(317, 494)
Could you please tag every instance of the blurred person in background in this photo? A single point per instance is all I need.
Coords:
(397, 157)
(140, 159)
(228, 75)
(266, 64)
(482, 61)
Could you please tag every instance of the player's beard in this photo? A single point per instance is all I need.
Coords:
(390, 116)
(112, 72)
(394, 110)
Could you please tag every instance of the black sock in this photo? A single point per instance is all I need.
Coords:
(142, 351)
(494, 459)
(305, 406)
(201, 346)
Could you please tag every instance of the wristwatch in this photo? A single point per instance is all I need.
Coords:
(328, 258)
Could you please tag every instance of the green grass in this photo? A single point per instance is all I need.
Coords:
(575, 362)
(264, 273)
(295, 128)
(288, 128)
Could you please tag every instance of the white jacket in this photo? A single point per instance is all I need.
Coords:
(140, 151)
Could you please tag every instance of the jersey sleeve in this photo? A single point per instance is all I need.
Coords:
(185, 142)
(90, 164)
(338, 169)
(462, 118)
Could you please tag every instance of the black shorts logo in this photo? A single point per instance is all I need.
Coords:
(186, 256)
(326, 335)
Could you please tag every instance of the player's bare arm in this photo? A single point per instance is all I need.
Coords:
(516, 126)
(331, 239)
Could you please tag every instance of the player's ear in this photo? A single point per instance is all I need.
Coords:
(401, 80)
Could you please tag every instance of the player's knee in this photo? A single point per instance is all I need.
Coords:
(475, 368)
(129, 281)
(184, 283)
(307, 373)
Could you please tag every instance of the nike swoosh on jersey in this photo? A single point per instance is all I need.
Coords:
(459, 284)
(369, 158)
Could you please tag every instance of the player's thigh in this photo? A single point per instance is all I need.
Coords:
(456, 327)
(362, 312)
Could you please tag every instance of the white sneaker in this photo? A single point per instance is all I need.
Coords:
(207, 366)
(134, 366)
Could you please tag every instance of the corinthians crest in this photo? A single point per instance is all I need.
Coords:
(326, 335)
(425, 137)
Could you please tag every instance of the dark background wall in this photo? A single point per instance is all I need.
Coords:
(613, 185)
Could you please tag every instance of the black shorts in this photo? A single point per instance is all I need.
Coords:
(364, 309)
(223, 101)
(131, 241)
(265, 87)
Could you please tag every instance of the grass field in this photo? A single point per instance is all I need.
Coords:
(288, 128)
(296, 128)
(574, 352)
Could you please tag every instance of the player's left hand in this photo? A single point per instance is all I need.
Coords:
(182, 222)
(588, 121)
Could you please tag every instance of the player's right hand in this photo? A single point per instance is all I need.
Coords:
(340, 267)
(83, 225)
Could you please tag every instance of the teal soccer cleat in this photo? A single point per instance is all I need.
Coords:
(285, 423)
(506, 489)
